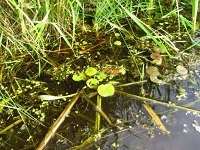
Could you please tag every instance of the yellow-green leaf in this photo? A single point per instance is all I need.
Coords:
(91, 71)
(92, 83)
(2, 104)
(106, 90)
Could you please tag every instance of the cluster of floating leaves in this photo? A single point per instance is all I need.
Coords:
(93, 77)
(153, 72)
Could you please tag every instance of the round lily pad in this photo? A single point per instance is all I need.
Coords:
(106, 90)
(152, 70)
(181, 70)
(92, 83)
(91, 71)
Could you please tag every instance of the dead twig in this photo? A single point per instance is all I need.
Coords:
(58, 122)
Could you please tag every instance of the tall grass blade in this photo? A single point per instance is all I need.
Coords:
(194, 13)
(39, 28)
(146, 29)
(63, 35)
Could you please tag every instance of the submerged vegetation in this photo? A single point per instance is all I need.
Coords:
(70, 58)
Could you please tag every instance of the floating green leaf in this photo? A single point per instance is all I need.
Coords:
(79, 77)
(158, 49)
(182, 91)
(101, 76)
(155, 56)
(152, 70)
(92, 83)
(91, 71)
(106, 90)
(117, 34)
(85, 42)
(117, 43)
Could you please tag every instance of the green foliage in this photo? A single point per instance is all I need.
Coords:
(40, 35)
(3, 103)
(91, 71)
(92, 83)
(79, 77)
(101, 76)
(152, 70)
(194, 13)
(94, 78)
(106, 90)
(118, 43)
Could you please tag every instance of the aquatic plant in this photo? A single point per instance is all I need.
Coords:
(93, 78)
(43, 43)
(106, 90)
(91, 71)
(153, 72)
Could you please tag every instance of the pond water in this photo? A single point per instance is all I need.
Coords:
(184, 126)
(184, 134)
(135, 128)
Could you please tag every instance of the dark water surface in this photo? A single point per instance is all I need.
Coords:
(184, 126)
(136, 129)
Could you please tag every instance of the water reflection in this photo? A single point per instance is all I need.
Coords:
(184, 126)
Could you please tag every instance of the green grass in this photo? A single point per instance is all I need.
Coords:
(194, 13)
